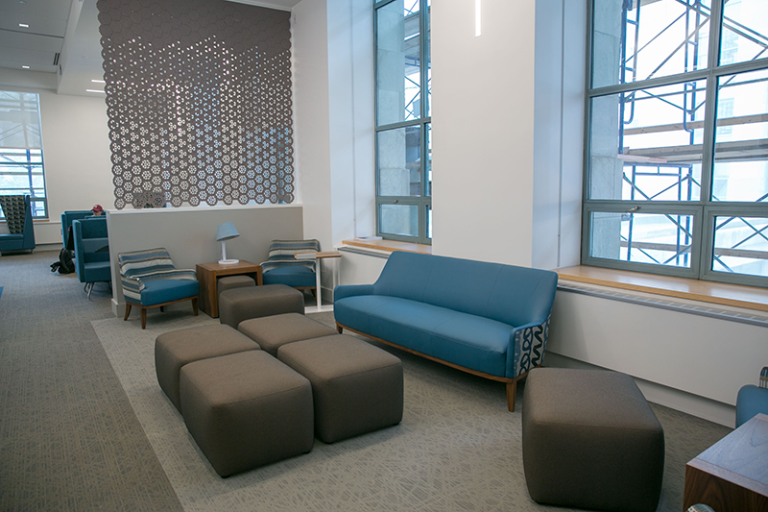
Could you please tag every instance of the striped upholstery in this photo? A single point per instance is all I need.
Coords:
(281, 254)
(136, 268)
(764, 378)
(700, 507)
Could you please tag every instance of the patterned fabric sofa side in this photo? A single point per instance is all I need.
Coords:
(487, 319)
(18, 216)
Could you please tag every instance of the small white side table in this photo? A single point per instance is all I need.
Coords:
(320, 256)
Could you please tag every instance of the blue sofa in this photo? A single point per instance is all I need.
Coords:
(66, 222)
(487, 319)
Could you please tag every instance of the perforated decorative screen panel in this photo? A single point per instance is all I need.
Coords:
(199, 102)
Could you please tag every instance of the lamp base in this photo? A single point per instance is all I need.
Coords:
(228, 262)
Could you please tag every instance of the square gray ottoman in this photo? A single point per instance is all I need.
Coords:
(246, 410)
(590, 440)
(229, 282)
(272, 332)
(238, 304)
(176, 348)
(357, 388)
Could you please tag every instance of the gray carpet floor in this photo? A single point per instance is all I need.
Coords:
(83, 425)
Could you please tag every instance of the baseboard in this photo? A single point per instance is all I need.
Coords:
(682, 401)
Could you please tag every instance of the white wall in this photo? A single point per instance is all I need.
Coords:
(77, 157)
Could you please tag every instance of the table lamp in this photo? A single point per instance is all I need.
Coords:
(223, 233)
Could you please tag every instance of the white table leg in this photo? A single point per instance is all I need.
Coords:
(317, 283)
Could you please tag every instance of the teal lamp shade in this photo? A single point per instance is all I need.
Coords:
(223, 233)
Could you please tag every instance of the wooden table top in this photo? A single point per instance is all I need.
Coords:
(215, 267)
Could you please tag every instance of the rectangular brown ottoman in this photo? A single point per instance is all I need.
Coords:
(272, 332)
(246, 410)
(357, 388)
(238, 304)
(176, 348)
(590, 440)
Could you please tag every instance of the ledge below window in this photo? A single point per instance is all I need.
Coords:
(389, 245)
(691, 289)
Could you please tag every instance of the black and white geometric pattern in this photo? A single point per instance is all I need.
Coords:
(199, 102)
(530, 344)
(15, 211)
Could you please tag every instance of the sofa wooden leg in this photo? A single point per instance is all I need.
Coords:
(339, 328)
(127, 310)
(143, 318)
(511, 394)
(194, 305)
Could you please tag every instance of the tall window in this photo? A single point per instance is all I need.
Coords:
(403, 114)
(21, 150)
(677, 159)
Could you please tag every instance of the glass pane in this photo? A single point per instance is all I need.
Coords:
(399, 219)
(19, 120)
(634, 41)
(745, 31)
(658, 239)
(741, 140)
(20, 156)
(741, 245)
(645, 145)
(399, 156)
(398, 65)
(429, 58)
(429, 160)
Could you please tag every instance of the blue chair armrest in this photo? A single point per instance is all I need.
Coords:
(526, 347)
(351, 290)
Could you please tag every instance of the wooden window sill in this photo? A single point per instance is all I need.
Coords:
(389, 245)
(691, 289)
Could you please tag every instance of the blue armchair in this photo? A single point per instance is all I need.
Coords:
(66, 222)
(150, 280)
(91, 251)
(282, 267)
(752, 400)
(18, 216)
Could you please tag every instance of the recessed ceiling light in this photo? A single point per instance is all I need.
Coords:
(25, 67)
(98, 81)
(93, 90)
(23, 25)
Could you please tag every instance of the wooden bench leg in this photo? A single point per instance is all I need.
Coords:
(511, 394)
(127, 310)
(143, 317)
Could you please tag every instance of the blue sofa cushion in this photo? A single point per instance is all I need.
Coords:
(160, 291)
(296, 277)
(98, 271)
(459, 338)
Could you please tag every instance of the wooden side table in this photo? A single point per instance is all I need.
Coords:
(732, 475)
(207, 275)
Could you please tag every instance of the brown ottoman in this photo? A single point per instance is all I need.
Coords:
(590, 440)
(272, 332)
(229, 282)
(246, 410)
(357, 387)
(176, 348)
(238, 304)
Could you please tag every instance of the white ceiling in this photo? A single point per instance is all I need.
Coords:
(68, 29)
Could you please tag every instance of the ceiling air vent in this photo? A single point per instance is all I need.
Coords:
(56, 59)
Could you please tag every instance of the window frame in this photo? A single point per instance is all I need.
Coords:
(703, 210)
(27, 165)
(423, 201)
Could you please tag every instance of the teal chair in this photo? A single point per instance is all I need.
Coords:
(18, 216)
(150, 280)
(282, 267)
(66, 223)
(752, 400)
(91, 245)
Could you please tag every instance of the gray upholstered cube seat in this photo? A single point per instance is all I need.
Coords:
(245, 410)
(229, 282)
(591, 441)
(176, 348)
(272, 332)
(243, 303)
(357, 388)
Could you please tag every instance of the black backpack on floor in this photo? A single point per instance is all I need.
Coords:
(65, 265)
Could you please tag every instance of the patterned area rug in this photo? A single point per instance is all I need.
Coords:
(457, 449)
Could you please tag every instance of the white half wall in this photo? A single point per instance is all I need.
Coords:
(189, 235)
(692, 363)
